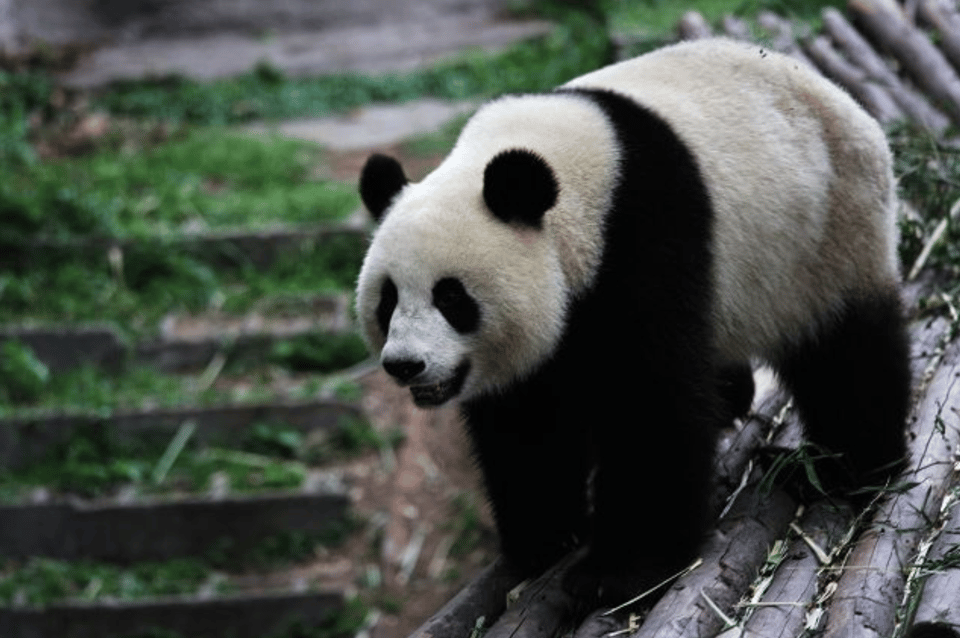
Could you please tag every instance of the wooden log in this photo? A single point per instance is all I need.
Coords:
(731, 560)
(736, 28)
(872, 96)
(781, 36)
(859, 51)
(885, 22)
(484, 598)
(782, 610)
(693, 26)
(871, 587)
(946, 21)
(937, 609)
(542, 607)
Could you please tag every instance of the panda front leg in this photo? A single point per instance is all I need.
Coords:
(650, 498)
(535, 475)
(851, 385)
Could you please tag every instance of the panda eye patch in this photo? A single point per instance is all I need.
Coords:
(388, 302)
(456, 305)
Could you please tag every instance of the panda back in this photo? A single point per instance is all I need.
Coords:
(798, 175)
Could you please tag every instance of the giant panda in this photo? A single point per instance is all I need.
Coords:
(591, 272)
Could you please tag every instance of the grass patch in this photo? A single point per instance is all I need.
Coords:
(136, 287)
(41, 581)
(928, 178)
(200, 179)
(269, 457)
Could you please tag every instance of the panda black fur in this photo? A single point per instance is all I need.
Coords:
(591, 271)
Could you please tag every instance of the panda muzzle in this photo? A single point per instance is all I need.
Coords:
(435, 394)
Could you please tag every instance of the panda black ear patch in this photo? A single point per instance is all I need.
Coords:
(380, 180)
(519, 186)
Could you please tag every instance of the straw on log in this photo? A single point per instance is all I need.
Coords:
(731, 560)
(885, 22)
(873, 97)
(869, 592)
(782, 610)
(937, 607)
(859, 51)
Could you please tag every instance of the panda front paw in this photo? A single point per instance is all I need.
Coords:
(595, 584)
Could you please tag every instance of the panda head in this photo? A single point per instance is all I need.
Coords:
(461, 290)
(467, 282)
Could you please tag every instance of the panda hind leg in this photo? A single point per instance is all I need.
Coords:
(851, 385)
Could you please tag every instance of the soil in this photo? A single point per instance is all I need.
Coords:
(404, 501)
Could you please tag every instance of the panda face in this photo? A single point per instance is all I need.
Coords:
(428, 348)
(466, 285)
(449, 307)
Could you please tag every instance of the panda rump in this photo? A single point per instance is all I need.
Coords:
(624, 249)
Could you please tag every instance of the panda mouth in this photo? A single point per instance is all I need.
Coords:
(435, 394)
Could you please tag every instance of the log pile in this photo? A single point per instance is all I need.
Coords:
(865, 52)
(774, 567)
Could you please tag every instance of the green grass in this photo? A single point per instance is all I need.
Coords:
(928, 175)
(136, 287)
(204, 178)
(268, 457)
(26, 384)
(40, 581)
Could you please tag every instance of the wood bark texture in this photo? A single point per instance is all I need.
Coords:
(871, 587)
(874, 97)
(939, 605)
(886, 23)
(859, 51)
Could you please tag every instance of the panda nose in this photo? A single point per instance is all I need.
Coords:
(403, 370)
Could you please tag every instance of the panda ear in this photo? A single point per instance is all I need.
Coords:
(380, 180)
(519, 186)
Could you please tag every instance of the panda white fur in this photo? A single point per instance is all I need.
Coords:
(591, 271)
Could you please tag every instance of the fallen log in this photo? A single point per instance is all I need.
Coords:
(781, 35)
(937, 611)
(872, 96)
(541, 608)
(871, 587)
(885, 22)
(479, 603)
(693, 26)
(947, 23)
(859, 51)
(731, 560)
(736, 28)
(782, 610)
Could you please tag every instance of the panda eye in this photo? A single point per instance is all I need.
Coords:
(456, 305)
(388, 302)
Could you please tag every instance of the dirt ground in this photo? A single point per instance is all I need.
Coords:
(433, 473)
